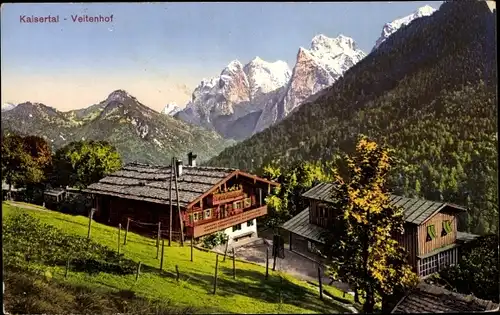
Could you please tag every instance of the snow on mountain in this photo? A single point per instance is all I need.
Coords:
(265, 92)
(392, 27)
(316, 68)
(7, 106)
(238, 91)
(171, 109)
(265, 77)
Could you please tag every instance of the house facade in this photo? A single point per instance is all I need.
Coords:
(205, 200)
(430, 230)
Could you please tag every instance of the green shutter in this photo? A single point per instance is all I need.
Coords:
(447, 226)
(431, 231)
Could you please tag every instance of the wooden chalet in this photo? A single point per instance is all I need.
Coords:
(210, 199)
(430, 228)
(428, 298)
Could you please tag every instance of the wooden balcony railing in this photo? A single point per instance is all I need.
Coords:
(227, 196)
(212, 225)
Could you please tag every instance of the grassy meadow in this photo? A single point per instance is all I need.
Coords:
(250, 292)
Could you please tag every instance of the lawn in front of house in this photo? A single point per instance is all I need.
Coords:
(250, 292)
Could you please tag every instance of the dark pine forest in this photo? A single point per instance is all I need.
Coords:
(429, 93)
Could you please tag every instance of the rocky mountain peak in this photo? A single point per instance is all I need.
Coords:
(119, 96)
(265, 77)
(171, 109)
(391, 27)
(340, 44)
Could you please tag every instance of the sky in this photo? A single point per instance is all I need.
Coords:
(159, 52)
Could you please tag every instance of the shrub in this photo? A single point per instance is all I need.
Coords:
(76, 204)
(26, 239)
(215, 239)
(29, 293)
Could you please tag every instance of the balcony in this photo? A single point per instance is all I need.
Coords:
(224, 197)
(212, 225)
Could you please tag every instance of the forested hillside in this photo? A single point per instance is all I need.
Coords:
(429, 92)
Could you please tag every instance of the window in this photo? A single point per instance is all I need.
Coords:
(250, 223)
(431, 233)
(197, 216)
(247, 202)
(322, 211)
(438, 262)
(428, 265)
(237, 227)
(208, 213)
(447, 228)
(237, 205)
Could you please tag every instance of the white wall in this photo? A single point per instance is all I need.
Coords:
(245, 229)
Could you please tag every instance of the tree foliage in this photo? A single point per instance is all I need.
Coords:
(25, 160)
(477, 271)
(360, 243)
(429, 93)
(84, 162)
(286, 201)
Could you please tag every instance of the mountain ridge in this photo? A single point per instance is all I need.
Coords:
(137, 131)
(265, 87)
(428, 92)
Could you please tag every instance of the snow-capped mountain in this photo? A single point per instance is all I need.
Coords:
(316, 68)
(7, 106)
(171, 109)
(238, 91)
(265, 77)
(392, 27)
(244, 100)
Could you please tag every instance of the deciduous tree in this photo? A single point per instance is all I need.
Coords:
(84, 162)
(360, 244)
(286, 200)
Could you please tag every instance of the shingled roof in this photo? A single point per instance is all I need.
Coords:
(300, 225)
(416, 210)
(152, 183)
(427, 298)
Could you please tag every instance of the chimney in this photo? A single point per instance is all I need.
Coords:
(191, 159)
(178, 168)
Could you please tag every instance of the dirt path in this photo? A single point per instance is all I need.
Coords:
(293, 263)
(25, 206)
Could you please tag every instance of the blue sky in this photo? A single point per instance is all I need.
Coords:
(160, 51)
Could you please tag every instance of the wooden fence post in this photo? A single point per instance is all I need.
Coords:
(67, 268)
(274, 260)
(170, 201)
(91, 214)
(192, 241)
(177, 271)
(225, 251)
(138, 271)
(267, 263)
(215, 277)
(119, 230)
(320, 284)
(181, 224)
(126, 232)
(158, 236)
(162, 251)
(234, 264)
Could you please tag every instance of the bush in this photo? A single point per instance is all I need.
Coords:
(215, 239)
(26, 239)
(29, 293)
(76, 204)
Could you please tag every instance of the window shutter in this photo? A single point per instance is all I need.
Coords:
(431, 231)
(447, 226)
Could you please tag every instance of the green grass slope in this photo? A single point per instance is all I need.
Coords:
(248, 293)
